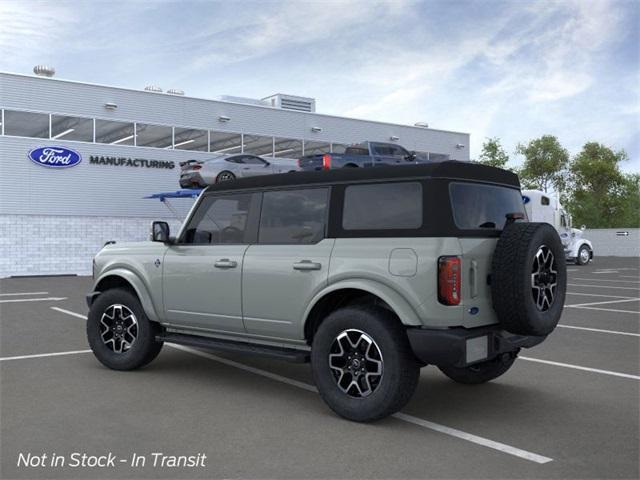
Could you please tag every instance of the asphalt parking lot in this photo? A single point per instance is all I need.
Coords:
(567, 409)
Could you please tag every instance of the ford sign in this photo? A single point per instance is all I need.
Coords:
(55, 157)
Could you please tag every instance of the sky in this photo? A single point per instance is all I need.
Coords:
(514, 70)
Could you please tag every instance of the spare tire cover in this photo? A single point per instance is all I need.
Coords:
(529, 278)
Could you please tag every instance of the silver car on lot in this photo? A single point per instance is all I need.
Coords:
(200, 173)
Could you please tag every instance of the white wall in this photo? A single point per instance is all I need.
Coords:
(606, 242)
(58, 245)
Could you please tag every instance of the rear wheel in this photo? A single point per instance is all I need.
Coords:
(225, 177)
(584, 255)
(119, 332)
(480, 372)
(362, 363)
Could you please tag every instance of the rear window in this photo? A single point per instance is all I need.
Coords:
(383, 206)
(477, 206)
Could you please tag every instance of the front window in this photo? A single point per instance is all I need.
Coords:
(478, 206)
(219, 220)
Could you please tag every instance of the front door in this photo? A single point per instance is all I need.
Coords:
(289, 264)
(202, 272)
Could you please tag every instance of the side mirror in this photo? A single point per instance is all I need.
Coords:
(160, 232)
(583, 228)
(411, 157)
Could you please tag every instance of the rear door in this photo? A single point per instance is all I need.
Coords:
(480, 210)
(290, 262)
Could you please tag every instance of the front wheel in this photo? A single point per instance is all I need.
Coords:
(584, 255)
(362, 363)
(119, 333)
(480, 372)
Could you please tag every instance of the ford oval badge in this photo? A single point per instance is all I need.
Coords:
(525, 199)
(55, 157)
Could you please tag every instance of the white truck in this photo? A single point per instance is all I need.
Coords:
(542, 207)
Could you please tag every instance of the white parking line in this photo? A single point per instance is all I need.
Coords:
(628, 276)
(41, 355)
(578, 367)
(23, 293)
(68, 312)
(633, 312)
(606, 280)
(47, 299)
(599, 330)
(533, 457)
(604, 286)
(602, 303)
(605, 272)
(596, 295)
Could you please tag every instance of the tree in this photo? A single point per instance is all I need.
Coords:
(601, 196)
(493, 154)
(545, 163)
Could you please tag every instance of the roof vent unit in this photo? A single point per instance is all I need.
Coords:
(291, 102)
(175, 91)
(44, 71)
(153, 88)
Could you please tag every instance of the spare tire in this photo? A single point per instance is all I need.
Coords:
(529, 278)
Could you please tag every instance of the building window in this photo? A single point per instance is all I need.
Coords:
(26, 124)
(225, 142)
(114, 133)
(190, 139)
(383, 206)
(71, 128)
(293, 216)
(258, 145)
(287, 148)
(316, 148)
(157, 136)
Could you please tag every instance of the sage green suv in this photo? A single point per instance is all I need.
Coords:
(369, 274)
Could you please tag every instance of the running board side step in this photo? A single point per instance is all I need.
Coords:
(287, 354)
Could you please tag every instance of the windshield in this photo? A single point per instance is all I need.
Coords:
(478, 206)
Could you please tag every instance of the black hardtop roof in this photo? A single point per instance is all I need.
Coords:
(450, 169)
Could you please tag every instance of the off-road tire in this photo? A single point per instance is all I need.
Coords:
(579, 260)
(511, 278)
(480, 372)
(400, 370)
(145, 347)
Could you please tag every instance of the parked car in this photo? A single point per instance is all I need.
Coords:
(352, 270)
(366, 154)
(200, 173)
(542, 207)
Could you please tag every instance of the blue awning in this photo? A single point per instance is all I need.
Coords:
(186, 193)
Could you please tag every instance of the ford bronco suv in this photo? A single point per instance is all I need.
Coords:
(369, 274)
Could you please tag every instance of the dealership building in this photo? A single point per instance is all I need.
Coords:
(114, 146)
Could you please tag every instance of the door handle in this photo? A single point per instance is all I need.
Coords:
(225, 263)
(307, 265)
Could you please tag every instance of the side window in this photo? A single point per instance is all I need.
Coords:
(235, 159)
(382, 149)
(544, 200)
(563, 220)
(220, 219)
(293, 216)
(251, 160)
(383, 206)
(399, 152)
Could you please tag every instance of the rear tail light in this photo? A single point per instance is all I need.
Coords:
(196, 167)
(299, 162)
(326, 161)
(449, 272)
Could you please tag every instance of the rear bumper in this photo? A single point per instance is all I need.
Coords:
(461, 347)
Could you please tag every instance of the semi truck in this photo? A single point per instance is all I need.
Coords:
(542, 207)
